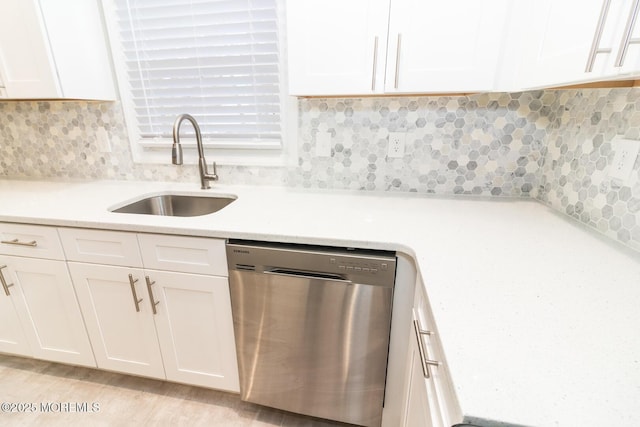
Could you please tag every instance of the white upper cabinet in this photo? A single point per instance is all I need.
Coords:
(444, 46)
(399, 46)
(52, 49)
(337, 47)
(576, 41)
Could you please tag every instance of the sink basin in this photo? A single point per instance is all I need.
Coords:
(176, 205)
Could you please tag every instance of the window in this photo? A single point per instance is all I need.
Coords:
(218, 60)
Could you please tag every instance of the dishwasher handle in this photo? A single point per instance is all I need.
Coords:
(306, 274)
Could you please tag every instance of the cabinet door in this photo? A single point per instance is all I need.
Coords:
(12, 338)
(77, 41)
(195, 328)
(28, 67)
(558, 53)
(451, 46)
(118, 318)
(336, 47)
(46, 304)
(49, 50)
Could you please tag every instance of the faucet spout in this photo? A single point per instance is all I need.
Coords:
(176, 151)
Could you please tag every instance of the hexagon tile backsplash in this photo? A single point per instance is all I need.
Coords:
(487, 144)
(554, 146)
(574, 178)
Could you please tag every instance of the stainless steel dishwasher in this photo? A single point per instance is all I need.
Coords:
(312, 327)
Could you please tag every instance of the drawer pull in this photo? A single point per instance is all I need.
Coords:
(423, 351)
(136, 301)
(17, 242)
(153, 302)
(4, 282)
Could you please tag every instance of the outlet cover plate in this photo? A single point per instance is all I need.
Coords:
(396, 144)
(626, 153)
(102, 140)
(323, 144)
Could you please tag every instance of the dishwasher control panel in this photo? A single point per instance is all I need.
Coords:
(364, 266)
(347, 265)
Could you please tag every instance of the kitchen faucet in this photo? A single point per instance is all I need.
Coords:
(176, 151)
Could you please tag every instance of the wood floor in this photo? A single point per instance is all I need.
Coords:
(54, 395)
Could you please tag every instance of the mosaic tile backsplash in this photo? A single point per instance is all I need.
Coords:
(488, 144)
(580, 149)
(57, 140)
(554, 146)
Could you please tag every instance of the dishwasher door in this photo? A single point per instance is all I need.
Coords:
(312, 343)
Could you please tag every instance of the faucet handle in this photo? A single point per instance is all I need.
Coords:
(214, 175)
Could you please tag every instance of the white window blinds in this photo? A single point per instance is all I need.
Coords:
(217, 60)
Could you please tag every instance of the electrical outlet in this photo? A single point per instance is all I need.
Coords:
(396, 144)
(102, 139)
(323, 144)
(626, 154)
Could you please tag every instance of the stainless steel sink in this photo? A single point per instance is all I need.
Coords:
(176, 205)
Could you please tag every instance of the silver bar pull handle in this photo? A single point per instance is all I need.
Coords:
(5, 286)
(17, 242)
(426, 362)
(628, 31)
(136, 301)
(424, 331)
(154, 303)
(395, 85)
(375, 63)
(310, 275)
(597, 37)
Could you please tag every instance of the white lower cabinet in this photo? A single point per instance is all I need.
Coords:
(195, 328)
(12, 338)
(40, 316)
(429, 394)
(46, 304)
(159, 306)
(174, 325)
(118, 317)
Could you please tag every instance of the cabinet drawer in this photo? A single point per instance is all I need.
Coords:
(36, 241)
(101, 247)
(186, 254)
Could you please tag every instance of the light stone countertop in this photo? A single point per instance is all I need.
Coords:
(538, 315)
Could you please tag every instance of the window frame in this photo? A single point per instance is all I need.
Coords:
(222, 152)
